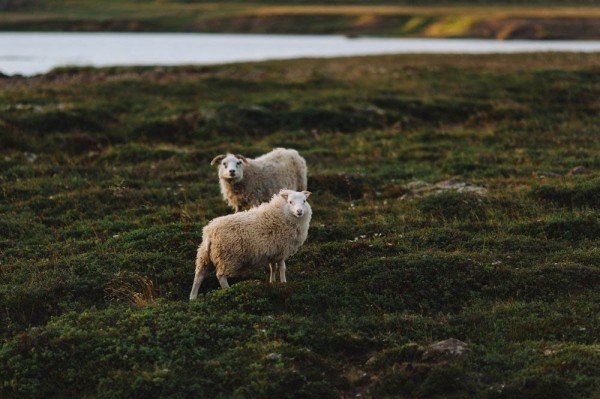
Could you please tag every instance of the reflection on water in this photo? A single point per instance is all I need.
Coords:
(34, 53)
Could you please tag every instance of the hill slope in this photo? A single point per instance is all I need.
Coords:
(453, 197)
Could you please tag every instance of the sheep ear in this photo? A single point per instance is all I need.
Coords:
(307, 193)
(217, 159)
(243, 158)
(284, 194)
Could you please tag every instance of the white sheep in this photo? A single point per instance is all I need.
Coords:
(238, 243)
(250, 182)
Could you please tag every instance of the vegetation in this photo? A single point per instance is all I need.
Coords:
(106, 184)
(503, 19)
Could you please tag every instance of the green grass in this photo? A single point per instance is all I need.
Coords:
(106, 185)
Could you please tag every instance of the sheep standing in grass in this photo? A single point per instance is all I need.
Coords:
(250, 182)
(238, 243)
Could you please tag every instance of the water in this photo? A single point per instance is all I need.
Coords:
(34, 53)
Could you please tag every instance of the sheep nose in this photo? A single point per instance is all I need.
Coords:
(231, 172)
(299, 212)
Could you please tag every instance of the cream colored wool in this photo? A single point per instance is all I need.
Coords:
(238, 243)
(250, 182)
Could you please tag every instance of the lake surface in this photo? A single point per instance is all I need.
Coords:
(34, 53)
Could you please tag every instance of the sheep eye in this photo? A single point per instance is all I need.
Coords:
(290, 202)
(239, 163)
(224, 163)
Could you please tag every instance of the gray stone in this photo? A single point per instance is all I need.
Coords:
(579, 170)
(451, 346)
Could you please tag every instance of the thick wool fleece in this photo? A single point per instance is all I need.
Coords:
(264, 176)
(268, 234)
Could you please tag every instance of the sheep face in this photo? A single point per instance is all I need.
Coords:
(231, 167)
(296, 202)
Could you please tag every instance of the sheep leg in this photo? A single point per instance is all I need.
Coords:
(198, 278)
(202, 265)
(281, 265)
(223, 280)
(273, 266)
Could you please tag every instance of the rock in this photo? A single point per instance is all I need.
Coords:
(419, 188)
(371, 361)
(368, 109)
(273, 356)
(579, 170)
(451, 346)
(460, 186)
(30, 157)
(543, 174)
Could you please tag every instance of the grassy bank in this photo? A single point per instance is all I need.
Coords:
(106, 184)
(477, 19)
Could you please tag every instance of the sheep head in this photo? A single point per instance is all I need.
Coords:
(230, 166)
(296, 202)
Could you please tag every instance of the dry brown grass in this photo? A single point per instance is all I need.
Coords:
(132, 288)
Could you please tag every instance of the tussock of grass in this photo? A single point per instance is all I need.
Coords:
(443, 208)
(133, 289)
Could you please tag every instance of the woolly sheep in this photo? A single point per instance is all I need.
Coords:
(237, 243)
(250, 182)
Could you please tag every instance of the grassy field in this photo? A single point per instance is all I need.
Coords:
(446, 200)
(482, 19)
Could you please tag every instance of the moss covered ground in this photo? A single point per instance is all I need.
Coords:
(453, 197)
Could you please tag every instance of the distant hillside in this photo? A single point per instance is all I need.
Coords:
(509, 19)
